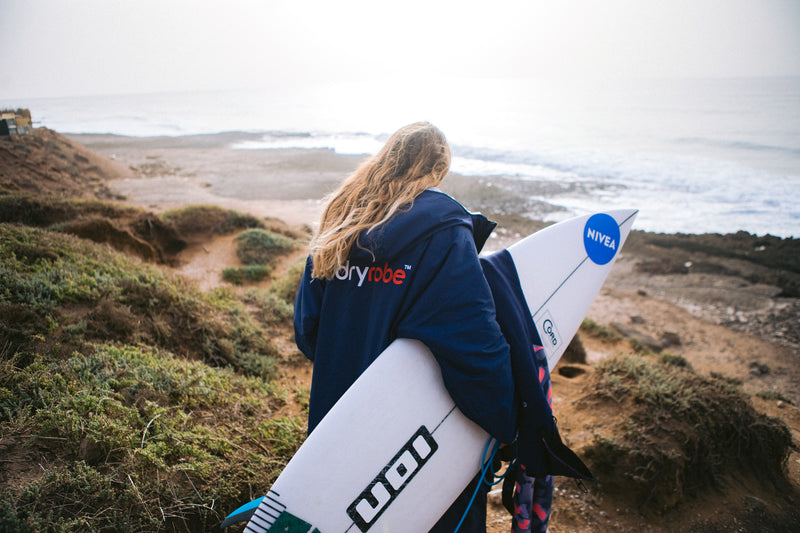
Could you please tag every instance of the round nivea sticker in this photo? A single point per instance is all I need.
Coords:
(601, 238)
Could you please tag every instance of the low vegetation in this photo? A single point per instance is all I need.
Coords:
(81, 293)
(259, 251)
(129, 400)
(285, 287)
(681, 435)
(146, 440)
(126, 229)
(246, 274)
(599, 331)
(209, 220)
(261, 247)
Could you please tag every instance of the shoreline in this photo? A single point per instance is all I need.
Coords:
(160, 172)
(208, 162)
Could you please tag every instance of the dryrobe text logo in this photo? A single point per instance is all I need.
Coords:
(381, 492)
(372, 274)
(601, 238)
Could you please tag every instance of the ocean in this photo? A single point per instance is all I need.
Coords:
(695, 156)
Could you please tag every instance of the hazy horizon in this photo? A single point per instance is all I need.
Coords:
(50, 49)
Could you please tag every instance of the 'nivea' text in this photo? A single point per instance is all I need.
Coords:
(605, 240)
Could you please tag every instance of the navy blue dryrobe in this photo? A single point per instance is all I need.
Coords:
(417, 276)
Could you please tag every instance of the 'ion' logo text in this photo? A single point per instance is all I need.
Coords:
(382, 491)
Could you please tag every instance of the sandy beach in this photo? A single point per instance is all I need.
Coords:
(162, 172)
(729, 305)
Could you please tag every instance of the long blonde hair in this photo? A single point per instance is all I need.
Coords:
(414, 158)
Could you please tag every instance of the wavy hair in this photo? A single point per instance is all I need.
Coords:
(414, 158)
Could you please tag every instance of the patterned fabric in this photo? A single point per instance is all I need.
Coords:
(533, 499)
(533, 496)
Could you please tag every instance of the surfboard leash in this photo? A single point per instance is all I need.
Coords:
(488, 460)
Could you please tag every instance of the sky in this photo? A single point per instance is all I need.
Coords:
(51, 48)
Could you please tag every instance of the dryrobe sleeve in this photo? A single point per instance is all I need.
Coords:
(307, 308)
(451, 310)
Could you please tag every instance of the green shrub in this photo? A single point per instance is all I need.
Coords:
(674, 360)
(200, 219)
(683, 433)
(106, 381)
(128, 302)
(246, 274)
(261, 247)
(41, 211)
(599, 331)
(152, 433)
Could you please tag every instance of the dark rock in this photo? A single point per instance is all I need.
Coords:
(645, 340)
(91, 451)
(758, 369)
(575, 352)
(755, 505)
(669, 338)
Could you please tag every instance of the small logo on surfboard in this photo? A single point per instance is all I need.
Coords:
(380, 493)
(601, 238)
(549, 332)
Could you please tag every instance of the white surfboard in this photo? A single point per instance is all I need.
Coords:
(394, 452)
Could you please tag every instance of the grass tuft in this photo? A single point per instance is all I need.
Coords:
(286, 286)
(599, 331)
(209, 219)
(246, 274)
(674, 360)
(684, 433)
(261, 247)
(772, 395)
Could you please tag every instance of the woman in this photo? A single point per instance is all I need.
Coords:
(394, 257)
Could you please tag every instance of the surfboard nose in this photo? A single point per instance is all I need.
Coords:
(561, 269)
